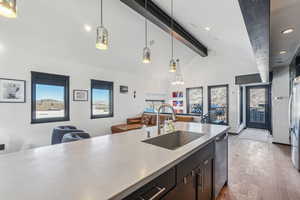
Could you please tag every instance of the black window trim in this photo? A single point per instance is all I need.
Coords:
(49, 79)
(99, 84)
(188, 102)
(241, 105)
(227, 99)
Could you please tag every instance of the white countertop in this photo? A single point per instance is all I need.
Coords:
(101, 168)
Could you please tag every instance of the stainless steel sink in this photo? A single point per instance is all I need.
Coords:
(174, 140)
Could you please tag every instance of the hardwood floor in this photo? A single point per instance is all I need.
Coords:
(260, 171)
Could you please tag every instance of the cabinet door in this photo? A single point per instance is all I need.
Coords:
(205, 180)
(185, 190)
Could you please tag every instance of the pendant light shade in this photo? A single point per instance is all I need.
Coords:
(146, 55)
(8, 8)
(178, 78)
(102, 33)
(146, 50)
(102, 38)
(173, 64)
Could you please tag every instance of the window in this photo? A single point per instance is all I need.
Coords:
(218, 104)
(194, 99)
(102, 99)
(153, 105)
(49, 98)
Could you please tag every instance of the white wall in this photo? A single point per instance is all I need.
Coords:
(55, 42)
(217, 70)
(280, 101)
(16, 131)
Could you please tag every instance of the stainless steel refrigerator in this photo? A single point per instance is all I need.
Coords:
(294, 121)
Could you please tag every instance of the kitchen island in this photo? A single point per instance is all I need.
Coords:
(101, 168)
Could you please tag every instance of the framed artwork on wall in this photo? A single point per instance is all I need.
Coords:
(123, 89)
(12, 91)
(80, 95)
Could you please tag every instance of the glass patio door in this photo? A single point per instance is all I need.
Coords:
(258, 107)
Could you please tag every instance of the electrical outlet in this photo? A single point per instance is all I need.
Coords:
(2, 147)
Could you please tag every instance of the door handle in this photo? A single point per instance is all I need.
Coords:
(290, 108)
(201, 180)
(185, 180)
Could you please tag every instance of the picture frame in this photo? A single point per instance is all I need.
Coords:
(80, 95)
(123, 89)
(12, 91)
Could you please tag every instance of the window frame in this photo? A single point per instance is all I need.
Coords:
(241, 105)
(188, 101)
(54, 80)
(99, 84)
(227, 99)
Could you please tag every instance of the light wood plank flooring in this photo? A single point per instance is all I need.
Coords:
(260, 171)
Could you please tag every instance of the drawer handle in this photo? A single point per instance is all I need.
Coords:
(160, 191)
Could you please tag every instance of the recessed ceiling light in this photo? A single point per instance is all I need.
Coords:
(87, 28)
(207, 28)
(287, 31)
(283, 52)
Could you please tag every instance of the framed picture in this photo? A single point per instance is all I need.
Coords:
(80, 95)
(123, 89)
(12, 91)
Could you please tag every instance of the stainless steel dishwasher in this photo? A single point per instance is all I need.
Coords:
(221, 163)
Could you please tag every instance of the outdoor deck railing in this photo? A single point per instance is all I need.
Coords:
(257, 114)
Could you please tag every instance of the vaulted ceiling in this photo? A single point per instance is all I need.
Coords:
(56, 29)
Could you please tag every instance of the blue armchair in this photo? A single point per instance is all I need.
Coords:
(59, 132)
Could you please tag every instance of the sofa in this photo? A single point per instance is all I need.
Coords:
(146, 119)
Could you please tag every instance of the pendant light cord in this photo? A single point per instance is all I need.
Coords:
(146, 26)
(172, 28)
(101, 8)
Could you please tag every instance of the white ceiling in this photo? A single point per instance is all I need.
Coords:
(55, 29)
(284, 14)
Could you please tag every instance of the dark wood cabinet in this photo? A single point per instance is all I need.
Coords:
(191, 179)
(197, 185)
(205, 180)
(185, 189)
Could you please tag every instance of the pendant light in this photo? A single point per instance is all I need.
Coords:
(178, 78)
(102, 33)
(173, 63)
(8, 8)
(146, 50)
